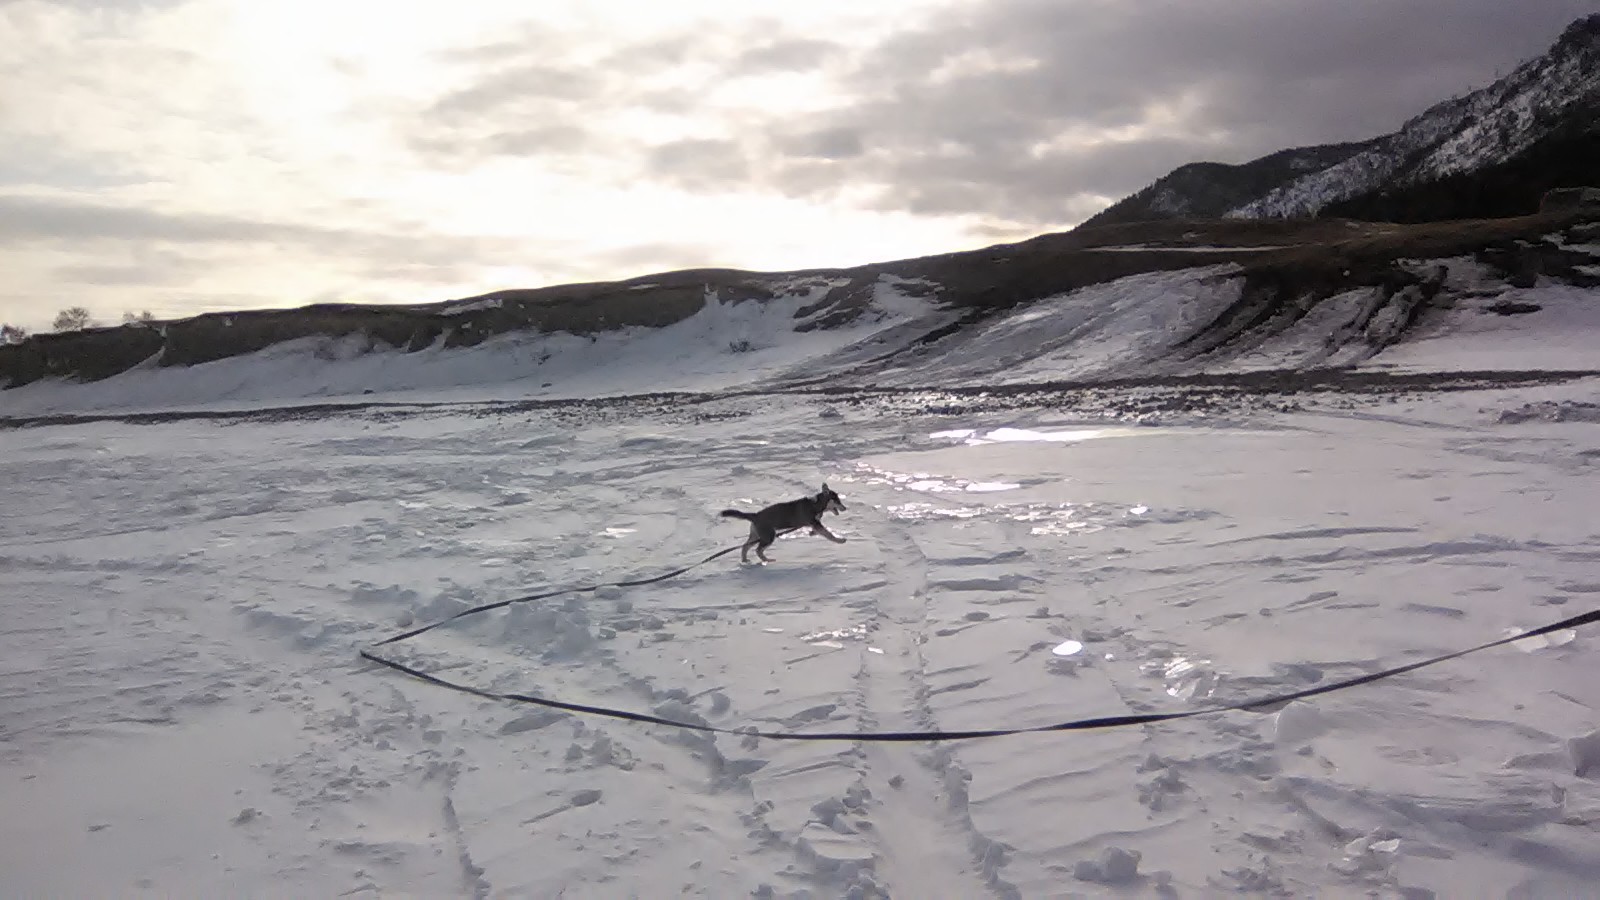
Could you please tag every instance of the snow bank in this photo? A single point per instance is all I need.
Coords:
(1552, 326)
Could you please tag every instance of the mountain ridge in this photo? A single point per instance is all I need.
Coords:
(1184, 298)
(1546, 101)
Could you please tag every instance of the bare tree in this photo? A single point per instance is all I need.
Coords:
(73, 318)
(144, 317)
(12, 334)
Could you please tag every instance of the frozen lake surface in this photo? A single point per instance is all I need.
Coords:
(184, 713)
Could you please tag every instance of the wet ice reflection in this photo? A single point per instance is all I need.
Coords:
(928, 482)
(834, 637)
(973, 437)
(1047, 518)
(1186, 678)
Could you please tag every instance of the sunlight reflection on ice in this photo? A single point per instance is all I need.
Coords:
(930, 483)
(917, 512)
(1045, 518)
(1042, 518)
(976, 487)
(831, 637)
(971, 436)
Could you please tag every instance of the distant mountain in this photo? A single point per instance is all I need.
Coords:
(1490, 153)
(1210, 190)
(1568, 155)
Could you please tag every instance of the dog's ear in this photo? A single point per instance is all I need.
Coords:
(825, 488)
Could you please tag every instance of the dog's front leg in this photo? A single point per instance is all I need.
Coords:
(821, 529)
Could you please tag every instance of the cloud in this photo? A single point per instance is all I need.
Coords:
(522, 86)
(178, 263)
(659, 256)
(698, 163)
(1025, 107)
(552, 141)
(836, 143)
(197, 153)
(72, 222)
(787, 54)
(129, 274)
(30, 219)
(511, 45)
(1017, 110)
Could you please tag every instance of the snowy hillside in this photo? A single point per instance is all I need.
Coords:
(723, 345)
(1303, 303)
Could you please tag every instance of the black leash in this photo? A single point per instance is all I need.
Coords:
(1263, 704)
(548, 594)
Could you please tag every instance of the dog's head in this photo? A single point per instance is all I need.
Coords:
(829, 500)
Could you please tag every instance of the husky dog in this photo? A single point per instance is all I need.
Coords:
(765, 525)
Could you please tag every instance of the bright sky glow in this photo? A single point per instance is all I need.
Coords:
(182, 156)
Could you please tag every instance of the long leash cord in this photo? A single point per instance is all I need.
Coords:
(1269, 703)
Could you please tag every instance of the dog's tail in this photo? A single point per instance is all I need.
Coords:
(735, 514)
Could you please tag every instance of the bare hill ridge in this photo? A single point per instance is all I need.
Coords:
(1288, 265)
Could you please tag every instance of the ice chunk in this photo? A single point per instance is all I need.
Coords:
(1543, 641)
(1114, 866)
(1585, 751)
(1067, 648)
(1298, 722)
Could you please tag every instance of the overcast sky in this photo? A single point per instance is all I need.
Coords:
(221, 154)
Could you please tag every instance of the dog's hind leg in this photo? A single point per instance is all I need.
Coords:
(766, 538)
(744, 551)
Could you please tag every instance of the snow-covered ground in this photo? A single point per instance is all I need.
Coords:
(184, 713)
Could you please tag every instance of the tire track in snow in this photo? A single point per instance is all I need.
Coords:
(471, 874)
(448, 773)
(921, 836)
